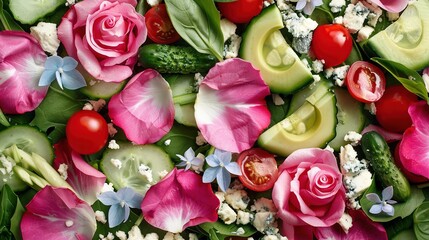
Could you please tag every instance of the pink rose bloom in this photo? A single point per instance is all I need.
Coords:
(104, 36)
(309, 191)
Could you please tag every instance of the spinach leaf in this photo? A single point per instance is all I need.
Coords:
(11, 214)
(278, 112)
(54, 111)
(402, 209)
(421, 221)
(6, 20)
(219, 230)
(198, 23)
(410, 79)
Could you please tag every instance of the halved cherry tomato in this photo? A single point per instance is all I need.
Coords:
(86, 132)
(392, 108)
(159, 26)
(331, 43)
(240, 11)
(258, 168)
(365, 82)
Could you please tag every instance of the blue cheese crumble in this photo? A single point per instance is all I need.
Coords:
(355, 16)
(227, 214)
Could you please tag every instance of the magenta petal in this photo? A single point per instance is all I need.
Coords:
(230, 108)
(419, 113)
(388, 136)
(21, 66)
(57, 213)
(176, 202)
(84, 179)
(144, 109)
(395, 6)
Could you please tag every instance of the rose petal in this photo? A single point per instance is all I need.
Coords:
(395, 6)
(309, 155)
(59, 211)
(21, 66)
(144, 109)
(230, 109)
(388, 136)
(176, 203)
(84, 179)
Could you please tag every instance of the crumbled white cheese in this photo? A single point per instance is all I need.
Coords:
(135, 234)
(350, 164)
(317, 66)
(121, 235)
(240, 231)
(200, 140)
(153, 2)
(265, 222)
(198, 79)
(231, 50)
(364, 33)
(316, 78)
(167, 142)
(163, 173)
(172, 236)
(228, 28)
(220, 196)
(116, 162)
(237, 199)
(277, 100)
(355, 16)
(70, 2)
(329, 148)
(338, 74)
(244, 217)
(62, 170)
(113, 144)
(7, 165)
(263, 205)
(353, 137)
(227, 214)
(107, 187)
(46, 35)
(151, 236)
(100, 216)
(274, 237)
(337, 5)
(345, 222)
(299, 26)
(109, 236)
(339, 20)
(329, 72)
(146, 172)
(282, 5)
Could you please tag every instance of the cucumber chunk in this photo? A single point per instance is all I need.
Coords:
(29, 11)
(132, 159)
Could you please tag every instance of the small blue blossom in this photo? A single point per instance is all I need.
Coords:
(383, 205)
(189, 160)
(62, 69)
(308, 6)
(220, 168)
(120, 203)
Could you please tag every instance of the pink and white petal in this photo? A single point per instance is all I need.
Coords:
(62, 212)
(175, 202)
(144, 109)
(21, 67)
(388, 136)
(281, 196)
(419, 113)
(230, 108)
(86, 181)
(309, 155)
(414, 152)
(395, 6)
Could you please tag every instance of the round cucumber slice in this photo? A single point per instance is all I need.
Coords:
(123, 167)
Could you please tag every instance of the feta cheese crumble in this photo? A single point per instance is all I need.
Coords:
(355, 16)
(113, 144)
(227, 214)
(345, 222)
(353, 137)
(337, 5)
(100, 217)
(237, 199)
(46, 35)
(146, 172)
(116, 162)
(231, 49)
(228, 28)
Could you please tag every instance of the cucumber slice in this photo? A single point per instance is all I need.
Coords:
(29, 11)
(96, 89)
(131, 157)
(350, 117)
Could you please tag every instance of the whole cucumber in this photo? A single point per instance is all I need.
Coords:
(378, 153)
(175, 59)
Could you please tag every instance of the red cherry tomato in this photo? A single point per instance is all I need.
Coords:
(331, 43)
(392, 108)
(240, 11)
(86, 132)
(365, 82)
(258, 168)
(159, 26)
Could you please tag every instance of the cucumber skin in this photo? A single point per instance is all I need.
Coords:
(175, 59)
(378, 153)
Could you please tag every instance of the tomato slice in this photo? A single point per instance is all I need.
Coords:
(259, 169)
(365, 82)
(159, 26)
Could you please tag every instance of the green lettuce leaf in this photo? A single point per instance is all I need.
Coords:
(11, 213)
(220, 231)
(421, 221)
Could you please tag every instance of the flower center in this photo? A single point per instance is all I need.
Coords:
(69, 223)
(61, 70)
(122, 203)
(221, 164)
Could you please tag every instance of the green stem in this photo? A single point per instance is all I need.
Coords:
(139, 220)
(185, 99)
(3, 119)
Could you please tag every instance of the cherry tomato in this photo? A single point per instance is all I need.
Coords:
(365, 82)
(392, 108)
(86, 132)
(331, 43)
(240, 11)
(159, 26)
(258, 168)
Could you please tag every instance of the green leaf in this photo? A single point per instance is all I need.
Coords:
(355, 55)
(219, 230)
(278, 112)
(54, 111)
(198, 23)
(180, 138)
(3, 119)
(410, 79)
(15, 221)
(402, 210)
(6, 20)
(5, 234)
(421, 221)
(11, 214)
(406, 234)
(322, 15)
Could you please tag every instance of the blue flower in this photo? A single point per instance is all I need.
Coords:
(220, 168)
(62, 69)
(189, 160)
(120, 203)
(383, 205)
(308, 5)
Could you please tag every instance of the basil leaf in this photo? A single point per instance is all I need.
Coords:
(55, 110)
(410, 79)
(198, 23)
(421, 221)
(6, 20)
(11, 214)
(278, 112)
(219, 230)
(402, 209)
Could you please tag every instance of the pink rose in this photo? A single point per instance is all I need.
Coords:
(309, 191)
(104, 36)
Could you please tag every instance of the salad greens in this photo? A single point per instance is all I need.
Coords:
(10, 216)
